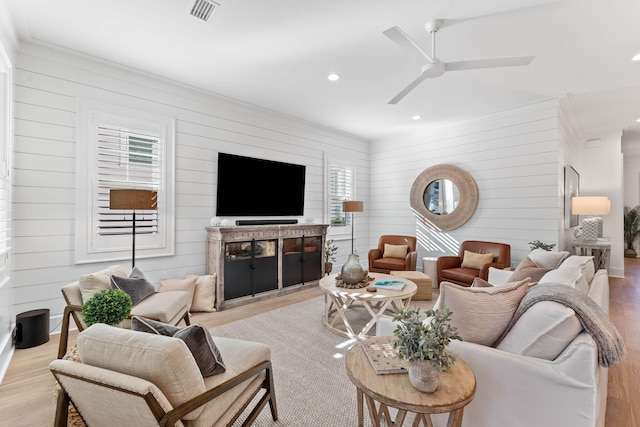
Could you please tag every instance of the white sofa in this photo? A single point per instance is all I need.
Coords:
(513, 389)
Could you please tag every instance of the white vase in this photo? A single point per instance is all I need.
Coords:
(424, 375)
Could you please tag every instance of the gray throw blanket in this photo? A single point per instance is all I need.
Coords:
(595, 322)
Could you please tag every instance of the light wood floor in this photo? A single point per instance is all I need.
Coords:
(26, 392)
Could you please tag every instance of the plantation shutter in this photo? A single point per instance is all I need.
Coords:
(126, 159)
(340, 189)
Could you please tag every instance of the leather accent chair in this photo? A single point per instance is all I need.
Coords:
(380, 264)
(450, 269)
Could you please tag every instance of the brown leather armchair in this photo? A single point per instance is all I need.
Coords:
(450, 269)
(378, 263)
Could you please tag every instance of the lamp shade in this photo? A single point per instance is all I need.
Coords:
(352, 206)
(593, 205)
(133, 199)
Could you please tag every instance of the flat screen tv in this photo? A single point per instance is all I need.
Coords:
(256, 187)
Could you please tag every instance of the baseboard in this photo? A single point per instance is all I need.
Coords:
(6, 353)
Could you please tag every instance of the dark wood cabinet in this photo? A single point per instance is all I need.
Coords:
(259, 261)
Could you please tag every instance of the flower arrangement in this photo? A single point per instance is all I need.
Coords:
(425, 340)
(330, 250)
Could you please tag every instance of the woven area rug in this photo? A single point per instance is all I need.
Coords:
(311, 384)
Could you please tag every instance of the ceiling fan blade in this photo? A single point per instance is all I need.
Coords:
(404, 92)
(489, 63)
(403, 40)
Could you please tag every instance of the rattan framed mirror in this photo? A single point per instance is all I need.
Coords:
(445, 196)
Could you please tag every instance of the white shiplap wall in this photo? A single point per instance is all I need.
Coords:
(514, 159)
(48, 85)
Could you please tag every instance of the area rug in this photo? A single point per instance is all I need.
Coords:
(310, 380)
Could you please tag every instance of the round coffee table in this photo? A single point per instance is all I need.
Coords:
(455, 391)
(338, 301)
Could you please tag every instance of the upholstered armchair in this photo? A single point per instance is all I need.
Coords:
(136, 379)
(168, 307)
(394, 253)
(473, 260)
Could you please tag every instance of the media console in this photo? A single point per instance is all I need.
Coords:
(255, 262)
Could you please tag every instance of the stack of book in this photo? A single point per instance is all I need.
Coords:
(395, 285)
(383, 357)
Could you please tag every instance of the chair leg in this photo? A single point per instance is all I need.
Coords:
(64, 333)
(186, 319)
(62, 409)
(272, 395)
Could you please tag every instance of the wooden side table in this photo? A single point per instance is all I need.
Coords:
(424, 283)
(455, 391)
(600, 250)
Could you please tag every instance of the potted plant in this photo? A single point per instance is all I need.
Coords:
(538, 244)
(423, 344)
(110, 306)
(631, 229)
(330, 250)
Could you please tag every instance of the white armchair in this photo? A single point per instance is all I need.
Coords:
(138, 379)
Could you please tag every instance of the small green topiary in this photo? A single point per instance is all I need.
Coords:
(110, 306)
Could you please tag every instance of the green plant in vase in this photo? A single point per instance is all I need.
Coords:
(110, 306)
(330, 250)
(423, 344)
(538, 244)
(631, 229)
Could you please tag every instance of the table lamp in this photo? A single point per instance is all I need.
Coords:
(352, 206)
(592, 206)
(129, 199)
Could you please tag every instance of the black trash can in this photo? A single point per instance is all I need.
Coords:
(32, 328)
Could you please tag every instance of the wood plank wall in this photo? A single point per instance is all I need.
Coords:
(48, 85)
(514, 158)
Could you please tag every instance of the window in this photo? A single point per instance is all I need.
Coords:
(123, 149)
(341, 187)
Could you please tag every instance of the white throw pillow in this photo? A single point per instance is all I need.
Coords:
(481, 314)
(204, 297)
(583, 262)
(93, 283)
(569, 276)
(547, 259)
(543, 331)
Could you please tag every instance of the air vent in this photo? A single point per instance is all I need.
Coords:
(202, 9)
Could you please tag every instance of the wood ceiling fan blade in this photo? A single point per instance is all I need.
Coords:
(404, 92)
(489, 63)
(403, 40)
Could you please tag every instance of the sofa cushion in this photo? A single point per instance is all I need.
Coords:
(93, 283)
(580, 261)
(395, 251)
(572, 277)
(475, 261)
(138, 288)
(547, 259)
(187, 285)
(204, 297)
(163, 306)
(528, 268)
(543, 331)
(163, 361)
(198, 340)
(481, 314)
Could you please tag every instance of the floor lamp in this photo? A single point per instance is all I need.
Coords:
(352, 206)
(142, 200)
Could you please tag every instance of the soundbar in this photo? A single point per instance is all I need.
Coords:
(265, 221)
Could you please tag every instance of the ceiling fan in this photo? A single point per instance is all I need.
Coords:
(435, 67)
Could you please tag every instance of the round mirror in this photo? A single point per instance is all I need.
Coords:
(441, 197)
(445, 196)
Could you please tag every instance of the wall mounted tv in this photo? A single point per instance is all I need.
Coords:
(258, 187)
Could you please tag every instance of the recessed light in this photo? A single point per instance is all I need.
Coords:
(638, 120)
(334, 77)
(416, 117)
(636, 57)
